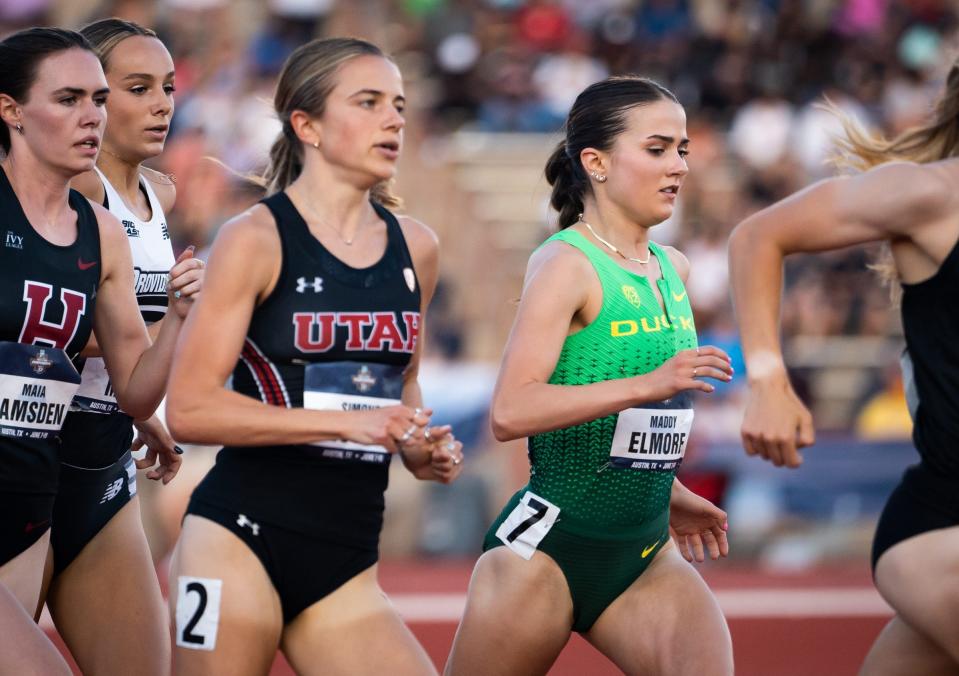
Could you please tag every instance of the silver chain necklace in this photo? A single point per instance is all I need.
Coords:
(613, 248)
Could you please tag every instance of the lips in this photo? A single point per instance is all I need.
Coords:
(91, 142)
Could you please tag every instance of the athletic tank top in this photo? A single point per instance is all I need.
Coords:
(92, 439)
(48, 302)
(329, 336)
(617, 471)
(931, 330)
(152, 260)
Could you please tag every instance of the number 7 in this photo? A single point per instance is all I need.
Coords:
(539, 512)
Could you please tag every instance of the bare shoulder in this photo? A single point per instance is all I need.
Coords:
(559, 258)
(253, 230)
(420, 238)
(89, 185)
(679, 261)
(923, 191)
(164, 185)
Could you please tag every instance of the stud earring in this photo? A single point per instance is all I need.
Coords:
(20, 128)
(316, 144)
(599, 177)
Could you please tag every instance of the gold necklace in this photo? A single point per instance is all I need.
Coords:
(339, 235)
(613, 248)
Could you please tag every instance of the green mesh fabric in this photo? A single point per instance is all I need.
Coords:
(630, 336)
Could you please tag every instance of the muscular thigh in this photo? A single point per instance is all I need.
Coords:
(107, 604)
(518, 616)
(354, 630)
(919, 577)
(666, 622)
(227, 617)
(23, 574)
(901, 650)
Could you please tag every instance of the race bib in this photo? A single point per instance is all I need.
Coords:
(352, 386)
(652, 437)
(528, 524)
(95, 394)
(37, 384)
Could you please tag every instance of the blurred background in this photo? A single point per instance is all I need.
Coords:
(489, 83)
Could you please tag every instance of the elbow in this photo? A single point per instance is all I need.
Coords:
(138, 409)
(502, 425)
(739, 240)
(183, 420)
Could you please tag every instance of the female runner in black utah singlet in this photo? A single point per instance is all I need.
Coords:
(905, 197)
(314, 301)
(66, 269)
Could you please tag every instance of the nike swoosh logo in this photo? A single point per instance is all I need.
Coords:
(649, 550)
(680, 297)
(85, 266)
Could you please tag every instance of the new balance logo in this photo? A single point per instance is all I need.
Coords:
(13, 241)
(113, 490)
(131, 228)
(243, 522)
(302, 285)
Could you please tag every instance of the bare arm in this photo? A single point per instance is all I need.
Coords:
(558, 282)
(200, 409)
(138, 370)
(892, 202)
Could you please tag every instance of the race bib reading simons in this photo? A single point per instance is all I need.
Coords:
(352, 386)
(37, 384)
(651, 438)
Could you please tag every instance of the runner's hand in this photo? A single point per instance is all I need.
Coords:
(697, 525)
(388, 426)
(685, 370)
(446, 456)
(160, 446)
(776, 424)
(185, 282)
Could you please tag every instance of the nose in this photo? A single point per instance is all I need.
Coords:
(394, 120)
(679, 167)
(93, 115)
(162, 104)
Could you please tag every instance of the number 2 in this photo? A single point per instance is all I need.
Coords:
(188, 636)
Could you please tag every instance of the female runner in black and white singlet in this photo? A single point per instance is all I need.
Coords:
(314, 301)
(71, 263)
(104, 595)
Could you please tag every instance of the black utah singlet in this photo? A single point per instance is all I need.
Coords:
(48, 298)
(931, 325)
(328, 336)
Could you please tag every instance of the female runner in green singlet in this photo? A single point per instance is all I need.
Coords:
(598, 373)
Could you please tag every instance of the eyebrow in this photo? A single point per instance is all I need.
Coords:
(146, 76)
(377, 92)
(668, 139)
(76, 91)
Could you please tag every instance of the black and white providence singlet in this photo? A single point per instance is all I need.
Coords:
(46, 313)
(96, 433)
(329, 336)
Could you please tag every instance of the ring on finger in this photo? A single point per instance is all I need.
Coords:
(458, 460)
(427, 435)
(177, 294)
(695, 371)
(408, 433)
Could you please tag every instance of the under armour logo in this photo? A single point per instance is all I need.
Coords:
(113, 490)
(242, 521)
(302, 284)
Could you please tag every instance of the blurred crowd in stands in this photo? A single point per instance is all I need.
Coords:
(751, 74)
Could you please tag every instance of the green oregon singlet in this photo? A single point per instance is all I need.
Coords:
(632, 335)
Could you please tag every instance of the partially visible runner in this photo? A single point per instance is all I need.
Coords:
(314, 302)
(105, 597)
(599, 373)
(906, 197)
(66, 266)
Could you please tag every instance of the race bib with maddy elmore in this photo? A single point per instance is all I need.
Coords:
(654, 436)
(37, 384)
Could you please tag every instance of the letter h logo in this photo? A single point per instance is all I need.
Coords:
(36, 330)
